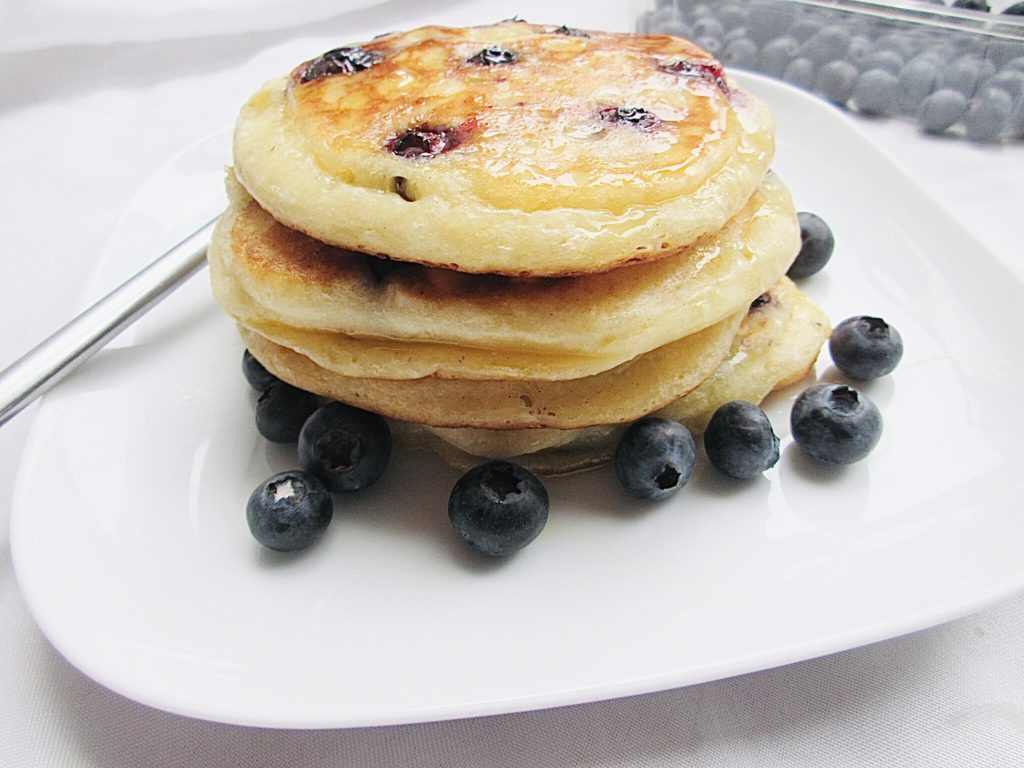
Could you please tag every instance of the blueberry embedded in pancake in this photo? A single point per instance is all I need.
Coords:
(513, 148)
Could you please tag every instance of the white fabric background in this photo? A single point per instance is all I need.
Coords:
(83, 125)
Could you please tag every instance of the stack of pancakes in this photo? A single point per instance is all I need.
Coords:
(514, 240)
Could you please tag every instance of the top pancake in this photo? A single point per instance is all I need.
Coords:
(513, 148)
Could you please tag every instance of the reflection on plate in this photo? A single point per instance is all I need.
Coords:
(130, 542)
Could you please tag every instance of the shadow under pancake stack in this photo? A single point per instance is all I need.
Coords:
(512, 241)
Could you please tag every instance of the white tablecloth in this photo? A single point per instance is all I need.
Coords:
(88, 110)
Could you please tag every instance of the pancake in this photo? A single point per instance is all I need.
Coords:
(622, 394)
(290, 288)
(513, 149)
(776, 346)
(514, 240)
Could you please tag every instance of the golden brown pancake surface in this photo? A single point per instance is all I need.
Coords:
(512, 148)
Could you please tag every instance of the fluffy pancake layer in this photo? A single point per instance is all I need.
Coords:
(776, 344)
(363, 316)
(636, 387)
(514, 148)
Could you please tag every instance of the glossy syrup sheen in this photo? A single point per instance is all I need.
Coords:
(536, 132)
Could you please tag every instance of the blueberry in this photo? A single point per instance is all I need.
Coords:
(281, 411)
(708, 26)
(426, 141)
(804, 28)
(740, 53)
(902, 44)
(739, 33)
(259, 378)
(835, 424)
(732, 15)
(972, 5)
(835, 81)
(655, 458)
(712, 45)
(777, 54)
(498, 507)
(886, 60)
(941, 110)
(338, 61)
(875, 93)
(827, 44)
(739, 440)
(865, 347)
(988, 115)
(799, 72)
(493, 55)
(289, 511)
(347, 448)
(1009, 80)
(860, 48)
(569, 32)
(916, 80)
(816, 245)
(963, 75)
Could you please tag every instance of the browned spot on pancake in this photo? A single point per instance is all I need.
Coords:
(269, 248)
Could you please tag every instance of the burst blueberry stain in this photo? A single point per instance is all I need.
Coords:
(426, 141)
(708, 71)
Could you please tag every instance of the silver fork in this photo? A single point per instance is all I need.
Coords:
(41, 368)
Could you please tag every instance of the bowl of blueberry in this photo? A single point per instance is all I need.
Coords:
(952, 67)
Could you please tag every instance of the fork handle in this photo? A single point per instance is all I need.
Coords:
(45, 365)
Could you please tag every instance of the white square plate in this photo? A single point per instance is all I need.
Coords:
(130, 542)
